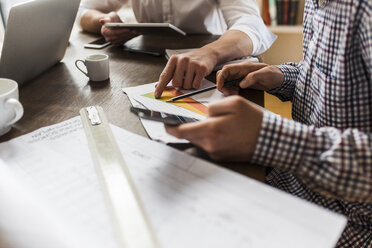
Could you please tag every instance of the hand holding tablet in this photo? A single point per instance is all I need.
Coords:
(116, 36)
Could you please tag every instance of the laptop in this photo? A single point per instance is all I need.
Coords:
(36, 37)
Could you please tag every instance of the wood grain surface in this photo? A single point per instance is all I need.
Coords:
(60, 92)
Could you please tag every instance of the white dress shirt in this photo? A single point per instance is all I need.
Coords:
(196, 16)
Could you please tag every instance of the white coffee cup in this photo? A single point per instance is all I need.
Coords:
(97, 66)
(11, 109)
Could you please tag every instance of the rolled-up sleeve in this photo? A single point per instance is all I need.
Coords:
(104, 6)
(243, 15)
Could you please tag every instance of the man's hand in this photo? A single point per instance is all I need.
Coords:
(186, 70)
(230, 133)
(258, 76)
(116, 36)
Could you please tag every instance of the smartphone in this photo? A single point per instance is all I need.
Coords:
(168, 119)
(97, 44)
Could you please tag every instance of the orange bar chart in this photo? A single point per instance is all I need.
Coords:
(186, 103)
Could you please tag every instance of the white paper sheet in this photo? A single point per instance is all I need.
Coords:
(204, 98)
(190, 202)
(26, 221)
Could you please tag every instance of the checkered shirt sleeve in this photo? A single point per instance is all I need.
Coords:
(333, 163)
(291, 72)
(365, 37)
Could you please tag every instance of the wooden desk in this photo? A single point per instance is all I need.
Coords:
(62, 91)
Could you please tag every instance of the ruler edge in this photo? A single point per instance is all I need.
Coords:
(102, 181)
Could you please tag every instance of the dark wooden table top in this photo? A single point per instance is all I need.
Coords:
(60, 92)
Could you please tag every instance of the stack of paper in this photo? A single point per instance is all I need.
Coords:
(190, 202)
(27, 221)
(196, 106)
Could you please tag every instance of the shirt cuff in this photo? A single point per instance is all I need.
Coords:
(262, 38)
(285, 91)
(281, 143)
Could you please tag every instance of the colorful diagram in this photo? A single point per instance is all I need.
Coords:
(186, 103)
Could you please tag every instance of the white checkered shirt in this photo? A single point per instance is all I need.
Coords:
(325, 154)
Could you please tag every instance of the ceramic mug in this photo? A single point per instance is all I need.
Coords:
(97, 67)
(11, 109)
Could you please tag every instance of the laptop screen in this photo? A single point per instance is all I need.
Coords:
(6, 5)
(2, 15)
(2, 24)
(22, 61)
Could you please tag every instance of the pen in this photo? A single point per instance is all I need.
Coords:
(227, 83)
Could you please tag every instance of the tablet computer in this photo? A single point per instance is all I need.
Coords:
(149, 28)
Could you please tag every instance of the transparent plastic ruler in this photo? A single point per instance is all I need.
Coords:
(131, 226)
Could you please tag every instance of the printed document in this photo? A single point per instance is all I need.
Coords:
(190, 202)
(196, 106)
(27, 221)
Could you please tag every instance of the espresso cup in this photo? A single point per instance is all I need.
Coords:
(11, 109)
(97, 67)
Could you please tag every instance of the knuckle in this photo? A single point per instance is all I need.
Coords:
(211, 139)
(104, 31)
(209, 147)
(246, 63)
(253, 76)
(237, 101)
(196, 84)
(225, 72)
(178, 134)
(195, 63)
(176, 83)
(184, 60)
(212, 106)
(213, 150)
(203, 68)
(227, 68)
(173, 58)
(164, 75)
